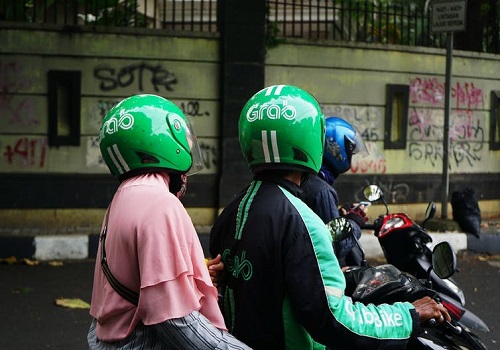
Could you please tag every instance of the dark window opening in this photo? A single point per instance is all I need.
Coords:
(64, 108)
(396, 116)
(495, 121)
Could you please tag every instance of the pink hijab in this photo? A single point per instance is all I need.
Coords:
(151, 245)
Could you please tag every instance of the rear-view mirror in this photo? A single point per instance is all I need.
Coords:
(340, 228)
(444, 260)
(372, 193)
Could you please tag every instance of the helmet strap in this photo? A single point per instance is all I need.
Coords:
(305, 177)
(178, 184)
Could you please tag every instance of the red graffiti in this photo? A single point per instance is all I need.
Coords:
(468, 96)
(427, 90)
(432, 91)
(21, 112)
(12, 78)
(30, 152)
(364, 166)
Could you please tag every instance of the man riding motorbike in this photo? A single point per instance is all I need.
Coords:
(282, 284)
(342, 141)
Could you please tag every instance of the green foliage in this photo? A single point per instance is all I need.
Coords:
(490, 15)
(272, 31)
(402, 22)
(122, 14)
(388, 22)
(14, 10)
(104, 12)
(272, 35)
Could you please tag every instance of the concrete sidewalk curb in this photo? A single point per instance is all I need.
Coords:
(486, 244)
(372, 247)
(75, 247)
(49, 247)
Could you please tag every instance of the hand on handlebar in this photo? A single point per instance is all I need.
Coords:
(428, 309)
(354, 212)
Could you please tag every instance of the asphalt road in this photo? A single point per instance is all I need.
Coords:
(479, 278)
(30, 317)
(32, 320)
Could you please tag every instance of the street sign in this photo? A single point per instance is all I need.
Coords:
(448, 15)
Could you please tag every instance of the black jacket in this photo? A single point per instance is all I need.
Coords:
(322, 198)
(283, 284)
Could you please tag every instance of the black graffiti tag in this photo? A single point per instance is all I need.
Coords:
(209, 155)
(192, 108)
(112, 78)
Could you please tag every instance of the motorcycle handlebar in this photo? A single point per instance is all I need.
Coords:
(419, 250)
(454, 328)
(368, 226)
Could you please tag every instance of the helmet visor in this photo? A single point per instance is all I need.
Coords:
(194, 147)
(360, 145)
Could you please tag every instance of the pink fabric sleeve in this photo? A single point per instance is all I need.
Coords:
(174, 277)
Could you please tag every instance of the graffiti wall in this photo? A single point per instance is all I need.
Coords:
(349, 81)
(106, 79)
(353, 86)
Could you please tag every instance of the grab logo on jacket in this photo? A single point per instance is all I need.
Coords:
(379, 318)
(238, 266)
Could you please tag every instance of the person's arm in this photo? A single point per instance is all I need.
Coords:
(355, 213)
(315, 285)
(195, 331)
(215, 269)
(325, 204)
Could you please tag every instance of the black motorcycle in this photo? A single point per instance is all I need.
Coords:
(405, 245)
(388, 284)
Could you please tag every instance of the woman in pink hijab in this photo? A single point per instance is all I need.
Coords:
(152, 288)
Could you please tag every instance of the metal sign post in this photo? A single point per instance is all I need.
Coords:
(447, 16)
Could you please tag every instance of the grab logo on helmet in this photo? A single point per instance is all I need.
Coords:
(113, 124)
(271, 110)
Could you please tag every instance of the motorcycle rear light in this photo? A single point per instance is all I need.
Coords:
(394, 221)
(454, 311)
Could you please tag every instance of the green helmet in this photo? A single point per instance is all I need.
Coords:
(282, 126)
(147, 131)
